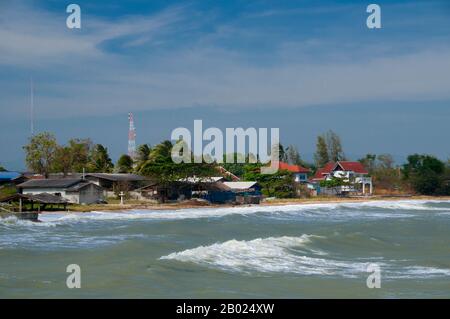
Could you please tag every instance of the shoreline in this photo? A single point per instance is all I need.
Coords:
(79, 209)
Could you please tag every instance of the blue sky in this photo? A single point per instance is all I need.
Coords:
(303, 66)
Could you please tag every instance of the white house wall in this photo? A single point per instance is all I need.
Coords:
(90, 195)
(72, 198)
(86, 195)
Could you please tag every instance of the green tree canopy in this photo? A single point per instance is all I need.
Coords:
(161, 167)
(293, 156)
(334, 145)
(142, 155)
(63, 160)
(280, 185)
(124, 164)
(282, 153)
(73, 157)
(143, 152)
(99, 160)
(237, 167)
(321, 156)
(426, 173)
(328, 149)
(40, 153)
(369, 162)
(80, 150)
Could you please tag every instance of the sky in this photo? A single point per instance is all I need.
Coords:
(303, 66)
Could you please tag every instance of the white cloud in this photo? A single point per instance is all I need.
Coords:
(90, 80)
(35, 37)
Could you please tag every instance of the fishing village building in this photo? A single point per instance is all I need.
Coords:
(300, 173)
(353, 173)
(74, 190)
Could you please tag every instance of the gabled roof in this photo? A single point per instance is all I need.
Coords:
(209, 179)
(50, 183)
(81, 185)
(43, 198)
(240, 185)
(293, 168)
(119, 177)
(321, 172)
(356, 167)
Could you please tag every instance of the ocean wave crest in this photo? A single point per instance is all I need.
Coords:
(338, 211)
(273, 254)
(291, 255)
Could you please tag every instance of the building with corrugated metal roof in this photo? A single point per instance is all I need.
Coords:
(74, 190)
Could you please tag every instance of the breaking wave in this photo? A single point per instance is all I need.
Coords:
(370, 210)
(289, 255)
(329, 212)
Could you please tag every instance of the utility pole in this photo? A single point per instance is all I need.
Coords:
(32, 108)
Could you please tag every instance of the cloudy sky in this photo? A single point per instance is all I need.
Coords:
(303, 66)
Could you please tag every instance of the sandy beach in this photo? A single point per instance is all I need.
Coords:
(189, 204)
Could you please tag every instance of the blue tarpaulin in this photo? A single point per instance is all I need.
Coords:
(9, 176)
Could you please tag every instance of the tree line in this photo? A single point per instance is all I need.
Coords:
(422, 174)
(44, 155)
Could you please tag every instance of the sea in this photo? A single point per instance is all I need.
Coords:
(374, 249)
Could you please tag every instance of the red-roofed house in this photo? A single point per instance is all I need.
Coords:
(350, 171)
(300, 172)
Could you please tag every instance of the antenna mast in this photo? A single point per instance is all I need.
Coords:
(131, 137)
(32, 108)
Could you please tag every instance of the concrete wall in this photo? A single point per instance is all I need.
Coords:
(87, 195)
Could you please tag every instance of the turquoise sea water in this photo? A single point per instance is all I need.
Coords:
(299, 251)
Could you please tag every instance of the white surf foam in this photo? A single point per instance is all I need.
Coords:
(273, 254)
(339, 211)
(406, 205)
(285, 255)
(419, 271)
(50, 240)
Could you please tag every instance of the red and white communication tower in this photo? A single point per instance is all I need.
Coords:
(131, 137)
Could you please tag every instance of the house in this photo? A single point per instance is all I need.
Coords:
(212, 189)
(233, 192)
(111, 182)
(74, 190)
(171, 191)
(12, 178)
(353, 173)
(202, 180)
(241, 187)
(185, 188)
(245, 192)
(23, 205)
(300, 172)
